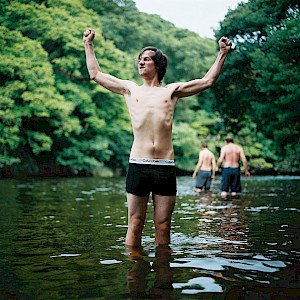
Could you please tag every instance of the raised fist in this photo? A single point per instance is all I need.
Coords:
(89, 35)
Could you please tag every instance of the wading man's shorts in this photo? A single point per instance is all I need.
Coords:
(231, 180)
(203, 179)
(151, 175)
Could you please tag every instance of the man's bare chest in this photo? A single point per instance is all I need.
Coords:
(159, 99)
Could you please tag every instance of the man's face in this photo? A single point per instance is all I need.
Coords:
(146, 65)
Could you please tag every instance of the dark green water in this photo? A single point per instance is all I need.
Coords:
(64, 239)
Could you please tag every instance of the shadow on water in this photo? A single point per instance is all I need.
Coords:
(64, 239)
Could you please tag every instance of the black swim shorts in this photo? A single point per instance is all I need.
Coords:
(142, 179)
(231, 180)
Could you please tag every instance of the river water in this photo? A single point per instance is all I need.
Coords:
(65, 239)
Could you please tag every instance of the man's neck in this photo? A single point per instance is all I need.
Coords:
(151, 82)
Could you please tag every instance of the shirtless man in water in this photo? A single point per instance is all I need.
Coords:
(151, 108)
(230, 157)
(205, 168)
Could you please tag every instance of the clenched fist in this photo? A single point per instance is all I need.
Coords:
(225, 44)
(88, 36)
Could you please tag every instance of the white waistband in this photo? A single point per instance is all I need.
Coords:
(152, 161)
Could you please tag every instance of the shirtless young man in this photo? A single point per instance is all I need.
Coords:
(205, 168)
(151, 108)
(230, 157)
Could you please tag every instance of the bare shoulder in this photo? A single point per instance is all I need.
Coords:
(131, 84)
(174, 89)
(131, 87)
(173, 86)
(239, 148)
(224, 148)
(211, 154)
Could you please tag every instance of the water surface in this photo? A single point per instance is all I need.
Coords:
(64, 239)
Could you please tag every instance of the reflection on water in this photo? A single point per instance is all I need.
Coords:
(64, 239)
(137, 281)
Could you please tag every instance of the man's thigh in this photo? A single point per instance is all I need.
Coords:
(236, 183)
(225, 181)
(208, 182)
(200, 180)
(137, 205)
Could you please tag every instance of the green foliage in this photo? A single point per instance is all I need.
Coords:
(82, 155)
(258, 149)
(185, 146)
(50, 110)
(39, 141)
(48, 105)
(27, 93)
(260, 84)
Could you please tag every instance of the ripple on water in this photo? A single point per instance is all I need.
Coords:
(109, 261)
(65, 255)
(219, 264)
(261, 208)
(181, 240)
(199, 285)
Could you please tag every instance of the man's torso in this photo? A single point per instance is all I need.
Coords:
(151, 110)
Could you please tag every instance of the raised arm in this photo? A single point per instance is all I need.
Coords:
(109, 82)
(196, 86)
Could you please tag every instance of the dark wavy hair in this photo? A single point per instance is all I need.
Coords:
(160, 61)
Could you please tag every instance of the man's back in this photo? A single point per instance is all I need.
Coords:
(231, 154)
(207, 159)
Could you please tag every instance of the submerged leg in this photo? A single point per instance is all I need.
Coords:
(163, 209)
(137, 208)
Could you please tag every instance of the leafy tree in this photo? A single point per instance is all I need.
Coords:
(27, 97)
(260, 82)
(52, 117)
(59, 107)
